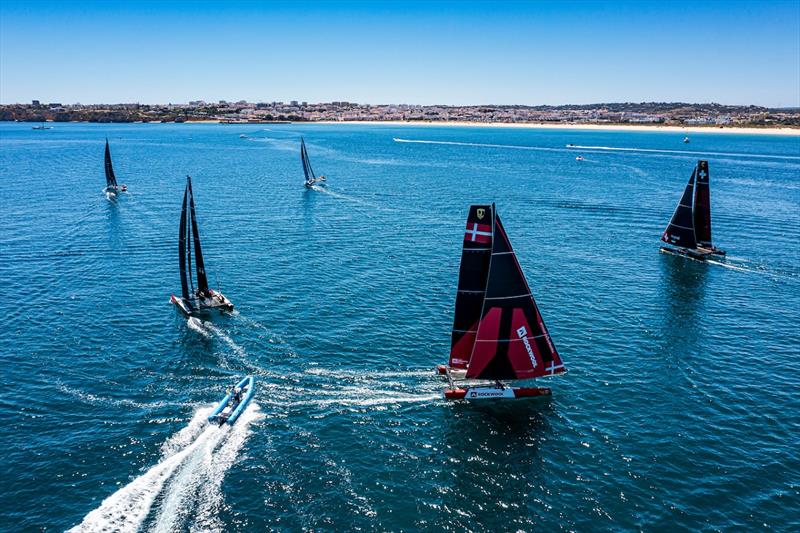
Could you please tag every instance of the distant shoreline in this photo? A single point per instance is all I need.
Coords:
(783, 131)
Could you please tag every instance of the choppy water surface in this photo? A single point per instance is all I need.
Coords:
(680, 405)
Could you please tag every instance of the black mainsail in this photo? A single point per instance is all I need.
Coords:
(472, 275)
(111, 180)
(307, 170)
(702, 206)
(511, 341)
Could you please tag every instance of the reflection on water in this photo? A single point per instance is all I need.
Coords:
(493, 457)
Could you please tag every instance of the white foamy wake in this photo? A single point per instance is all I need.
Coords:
(196, 325)
(238, 350)
(480, 145)
(186, 481)
(680, 152)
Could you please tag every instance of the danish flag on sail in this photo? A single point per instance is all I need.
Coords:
(511, 341)
(481, 233)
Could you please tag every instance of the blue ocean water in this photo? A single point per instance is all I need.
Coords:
(680, 407)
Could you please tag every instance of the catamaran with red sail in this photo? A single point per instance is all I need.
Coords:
(689, 230)
(498, 333)
(111, 180)
(201, 297)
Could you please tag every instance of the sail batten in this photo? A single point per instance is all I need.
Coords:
(512, 341)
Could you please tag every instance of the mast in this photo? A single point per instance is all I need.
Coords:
(307, 170)
(202, 281)
(702, 206)
(183, 256)
(111, 180)
(512, 341)
(472, 276)
(680, 230)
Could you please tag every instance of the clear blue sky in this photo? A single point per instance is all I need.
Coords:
(732, 52)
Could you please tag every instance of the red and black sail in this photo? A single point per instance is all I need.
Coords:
(111, 180)
(702, 206)
(472, 276)
(512, 341)
(680, 231)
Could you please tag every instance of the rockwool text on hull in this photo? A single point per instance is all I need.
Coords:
(496, 393)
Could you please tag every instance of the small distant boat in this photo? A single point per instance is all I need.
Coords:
(242, 136)
(311, 178)
(686, 140)
(689, 230)
(234, 403)
(111, 180)
(498, 333)
(579, 158)
(193, 299)
(42, 127)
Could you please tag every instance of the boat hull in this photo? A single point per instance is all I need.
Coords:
(227, 413)
(496, 393)
(694, 253)
(217, 302)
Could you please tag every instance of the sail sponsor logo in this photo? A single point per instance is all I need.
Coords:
(522, 333)
(480, 212)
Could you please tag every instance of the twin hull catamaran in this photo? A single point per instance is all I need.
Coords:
(111, 180)
(689, 230)
(498, 333)
(311, 178)
(202, 297)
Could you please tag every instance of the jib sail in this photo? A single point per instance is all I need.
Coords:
(680, 231)
(202, 281)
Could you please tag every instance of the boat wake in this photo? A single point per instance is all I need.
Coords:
(679, 152)
(183, 491)
(480, 145)
(195, 324)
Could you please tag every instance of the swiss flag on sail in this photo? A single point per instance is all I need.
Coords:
(478, 233)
